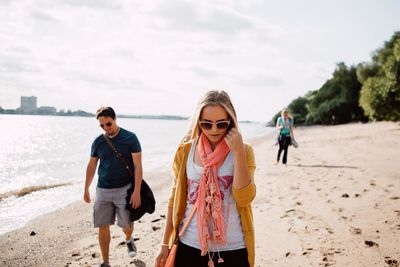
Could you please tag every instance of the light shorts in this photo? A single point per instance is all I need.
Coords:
(111, 202)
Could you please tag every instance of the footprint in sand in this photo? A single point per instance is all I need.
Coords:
(138, 263)
(328, 257)
(330, 230)
(334, 188)
(355, 231)
(371, 243)
(155, 228)
(396, 227)
(391, 262)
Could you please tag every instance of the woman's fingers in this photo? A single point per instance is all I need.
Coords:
(157, 261)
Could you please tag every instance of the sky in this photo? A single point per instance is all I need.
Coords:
(160, 57)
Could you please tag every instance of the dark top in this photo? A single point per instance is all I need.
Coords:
(112, 172)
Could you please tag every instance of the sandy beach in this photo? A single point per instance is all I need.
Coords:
(336, 203)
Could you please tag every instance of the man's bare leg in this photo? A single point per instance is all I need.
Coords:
(104, 241)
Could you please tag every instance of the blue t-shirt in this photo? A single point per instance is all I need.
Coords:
(112, 172)
(286, 125)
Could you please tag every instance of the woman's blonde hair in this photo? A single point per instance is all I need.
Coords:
(285, 111)
(211, 98)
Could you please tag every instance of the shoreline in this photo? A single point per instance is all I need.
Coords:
(71, 227)
(335, 204)
(24, 191)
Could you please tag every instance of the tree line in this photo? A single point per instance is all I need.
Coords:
(369, 91)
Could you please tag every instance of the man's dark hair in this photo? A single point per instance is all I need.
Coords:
(105, 112)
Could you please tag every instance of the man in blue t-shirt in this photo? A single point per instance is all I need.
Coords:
(114, 181)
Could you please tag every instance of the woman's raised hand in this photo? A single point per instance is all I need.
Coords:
(234, 141)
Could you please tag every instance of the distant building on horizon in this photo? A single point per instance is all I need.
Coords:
(45, 110)
(28, 104)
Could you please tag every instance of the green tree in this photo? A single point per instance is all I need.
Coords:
(380, 94)
(298, 109)
(337, 100)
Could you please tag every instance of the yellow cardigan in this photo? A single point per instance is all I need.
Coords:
(243, 197)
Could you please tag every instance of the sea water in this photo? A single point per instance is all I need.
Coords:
(51, 150)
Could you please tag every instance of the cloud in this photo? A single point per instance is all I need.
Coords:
(17, 49)
(204, 72)
(9, 65)
(217, 51)
(96, 4)
(17, 59)
(198, 18)
(319, 70)
(40, 15)
(264, 80)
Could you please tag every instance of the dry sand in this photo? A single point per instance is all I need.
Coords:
(336, 203)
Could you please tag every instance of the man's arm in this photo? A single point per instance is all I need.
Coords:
(90, 171)
(137, 162)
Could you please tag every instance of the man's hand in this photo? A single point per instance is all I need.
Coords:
(86, 196)
(135, 199)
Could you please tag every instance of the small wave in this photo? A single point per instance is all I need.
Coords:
(30, 189)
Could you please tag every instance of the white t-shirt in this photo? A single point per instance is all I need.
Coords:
(233, 226)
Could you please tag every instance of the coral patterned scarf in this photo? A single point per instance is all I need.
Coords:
(209, 196)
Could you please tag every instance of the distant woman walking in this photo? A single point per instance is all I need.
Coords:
(284, 126)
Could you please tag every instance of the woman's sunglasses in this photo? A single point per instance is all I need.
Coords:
(207, 125)
(108, 124)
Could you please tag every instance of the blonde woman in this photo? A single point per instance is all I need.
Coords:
(284, 126)
(213, 173)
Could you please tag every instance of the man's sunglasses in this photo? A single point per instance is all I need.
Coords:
(207, 125)
(108, 124)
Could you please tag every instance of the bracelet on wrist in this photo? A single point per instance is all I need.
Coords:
(164, 245)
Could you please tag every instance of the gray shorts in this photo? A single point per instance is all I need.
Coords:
(111, 202)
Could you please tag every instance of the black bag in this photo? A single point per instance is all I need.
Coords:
(148, 202)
